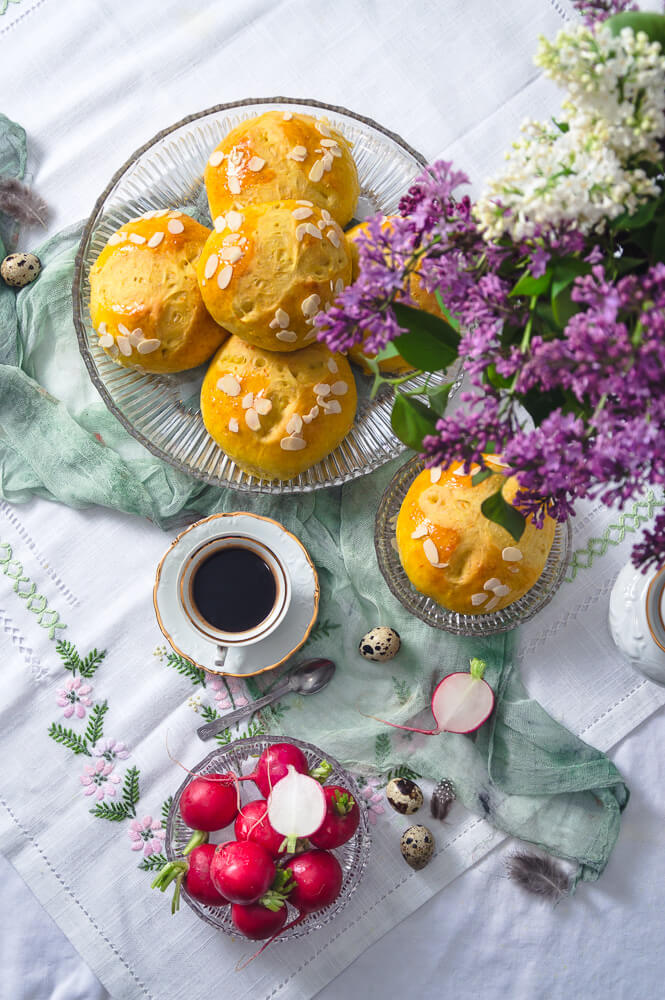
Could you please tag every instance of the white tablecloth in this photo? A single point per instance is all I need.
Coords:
(92, 82)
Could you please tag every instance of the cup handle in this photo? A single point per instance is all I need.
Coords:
(221, 655)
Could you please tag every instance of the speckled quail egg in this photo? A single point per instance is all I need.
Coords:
(404, 796)
(417, 846)
(380, 644)
(19, 269)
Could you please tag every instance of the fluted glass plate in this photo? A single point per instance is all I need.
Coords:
(162, 411)
(435, 614)
(241, 757)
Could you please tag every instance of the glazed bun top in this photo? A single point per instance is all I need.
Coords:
(452, 553)
(282, 154)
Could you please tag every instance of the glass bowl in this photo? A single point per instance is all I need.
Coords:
(435, 614)
(162, 411)
(241, 757)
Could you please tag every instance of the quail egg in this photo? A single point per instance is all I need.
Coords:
(417, 846)
(380, 644)
(19, 269)
(404, 796)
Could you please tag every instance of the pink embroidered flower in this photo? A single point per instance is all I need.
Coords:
(74, 698)
(374, 797)
(147, 835)
(110, 750)
(224, 688)
(99, 779)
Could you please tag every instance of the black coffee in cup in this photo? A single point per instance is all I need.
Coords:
(234, 589)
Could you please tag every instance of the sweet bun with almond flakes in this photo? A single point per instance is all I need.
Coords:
(145, 302)
(452, 553)
(283, 154)
(266, 271)
(277, 414)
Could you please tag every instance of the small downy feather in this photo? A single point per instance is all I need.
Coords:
(21, 202)
(539, 875)
(443, 797)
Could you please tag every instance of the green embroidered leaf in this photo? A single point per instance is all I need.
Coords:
(67, 652)
(253, 729)
(402, 771)
(278, 710)
(166, 809)
(116, 812)
(69, 739)
(130, 790)
(95, 728)
(496, 509)
(402, 691)
(89, 665)
(382, 748)
(209, 713)
(224, 738)
(187, 669)
(322, 630)
(153, 863)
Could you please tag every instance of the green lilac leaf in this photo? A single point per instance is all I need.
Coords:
(565, 271)
(387, 352)
(651, 24)
(438, 397)
(637, 220)
(420, 321)
(423, 350)
(496, 509)
(528, 285)
(481, 476)
(412, 420)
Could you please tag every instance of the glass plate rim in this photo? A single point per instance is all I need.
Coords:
(454, 622)
(259, 486)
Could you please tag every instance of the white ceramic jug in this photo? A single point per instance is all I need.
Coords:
(636, 618)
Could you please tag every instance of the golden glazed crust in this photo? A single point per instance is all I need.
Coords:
(277, 414)
(281, 155)
(145, 302)
(266, 271)
(460, 559)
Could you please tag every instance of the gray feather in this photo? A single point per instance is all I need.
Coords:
(21, 202)
(539, 875)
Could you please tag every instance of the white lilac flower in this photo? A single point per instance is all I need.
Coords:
(584, 173)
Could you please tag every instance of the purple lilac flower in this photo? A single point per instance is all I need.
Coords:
(594, 11)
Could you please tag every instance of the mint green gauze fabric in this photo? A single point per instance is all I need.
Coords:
(523, 771)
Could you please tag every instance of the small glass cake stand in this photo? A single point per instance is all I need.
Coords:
(435, 614)
(241, 757)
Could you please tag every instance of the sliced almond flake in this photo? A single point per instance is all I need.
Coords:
(492, 604)
(459, 470)
(292, 444)
(106, 340)
(309, 336)
(136, 336)
(312, 230)
(252, 420)
(321, 225)
(300, 232)
(301, 213)
(441, 565)
(421, 530)
(234, 220)
(336, 151)
(339, 388)
(287, 116)
(282, 317)
(224, 276)
(116, 238)
(303, 201)
(230, 254)
(211, 266)
(431, 551)
(329, 142)
(148, 346)
(339, 285)
(502, 591)
(229, 384)
(262, 406)
(326, 216)
(492, 583)
(175, 226)
(322, 389)
(123, 330)
(332, 406)
(312, 415)
(174, 214)
(274, 324)
(256, 163)
(294, 424)
(124, 345)
(316, 172)
(234, 426)
(148, 215)
(230, 240)
(327, 161)
(323, 128)
(298, 153)
(334, 238)
(310, 305)
(332, 366)
(511, 554)
(216, 158)
(155, 240)
(161, 213)
(102, 328)
(435, 474)
(478, 599)
(136, 238)
(220, 224)
(513, 569)
(287, 336)
(248, 401)
(234, 185)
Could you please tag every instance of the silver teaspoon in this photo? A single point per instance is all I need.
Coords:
(310, 677)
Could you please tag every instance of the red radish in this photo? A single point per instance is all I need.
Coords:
(210, 801)
(242, 871)
(194, 874)
(256, 921)
(341, 819)
(296, 807)
(252, 823)
(460, 704)
(272, 766)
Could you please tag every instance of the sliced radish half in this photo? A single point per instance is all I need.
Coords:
(296, 807)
